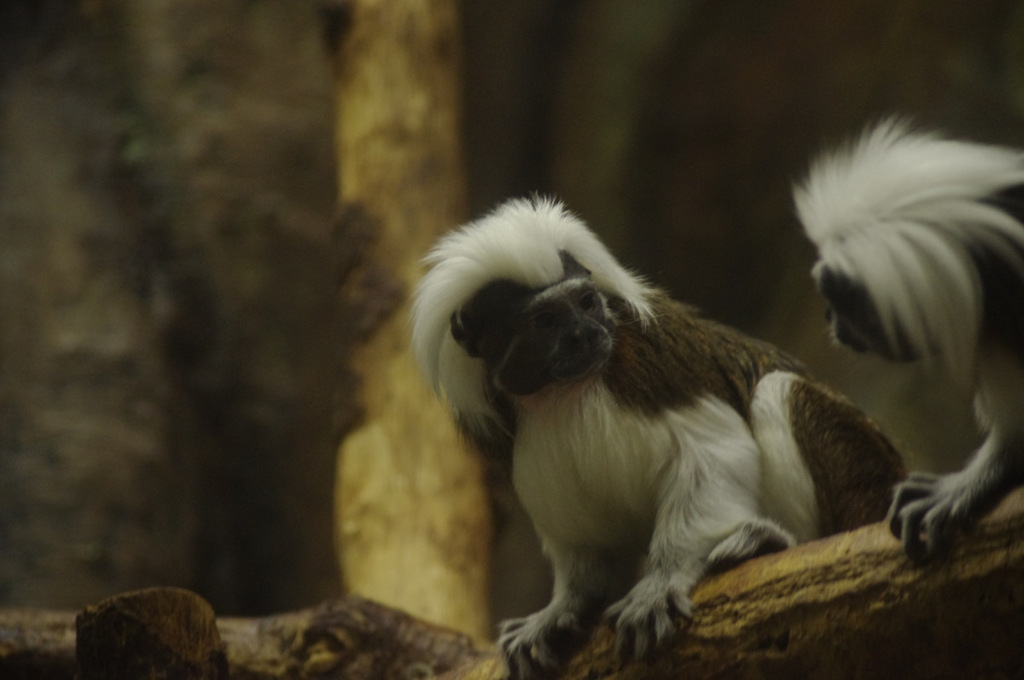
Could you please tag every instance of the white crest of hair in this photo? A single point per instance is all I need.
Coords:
(519, 241)
(897, 211)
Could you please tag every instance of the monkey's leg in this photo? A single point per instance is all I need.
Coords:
(535, 645)
(643, 618)
(928, 510)
(708, 495)
(756, 537)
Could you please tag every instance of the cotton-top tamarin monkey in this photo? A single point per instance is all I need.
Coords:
(647, 444)
(921, 244)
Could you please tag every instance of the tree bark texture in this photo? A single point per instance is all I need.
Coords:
(172, 388)
(852, 606)
(848, 607)
(168, 632)
(92, 497)
(228, 153)
(413, 520)
(153, 633)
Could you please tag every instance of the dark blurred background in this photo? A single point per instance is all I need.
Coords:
(173, 383)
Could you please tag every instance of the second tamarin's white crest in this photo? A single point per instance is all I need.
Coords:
(902, 213)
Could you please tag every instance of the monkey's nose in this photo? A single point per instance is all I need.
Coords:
(573, 343)
(579, 340)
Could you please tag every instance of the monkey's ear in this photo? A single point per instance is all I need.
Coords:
(465, 333)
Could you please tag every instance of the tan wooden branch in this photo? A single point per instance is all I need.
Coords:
(850, 606)
(169, 632)
(847, 607)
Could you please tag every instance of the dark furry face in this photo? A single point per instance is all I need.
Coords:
(854, 318)
(530, 338)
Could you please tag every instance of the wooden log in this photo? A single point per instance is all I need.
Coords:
(152, 633)
(846, 607)
(346, 638)
(167, 632)
(37, 645)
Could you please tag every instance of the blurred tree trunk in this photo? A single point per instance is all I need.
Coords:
(92, 497)
(170, 337)
(227, 150)
(413, 522)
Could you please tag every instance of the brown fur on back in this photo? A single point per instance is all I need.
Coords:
(680, 357)
(853, 465)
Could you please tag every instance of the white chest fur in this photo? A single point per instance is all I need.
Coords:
(591, 473)
(587, 471)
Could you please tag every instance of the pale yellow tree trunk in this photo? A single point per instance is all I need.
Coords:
(413, 521)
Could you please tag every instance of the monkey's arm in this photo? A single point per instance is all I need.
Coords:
(928, 509)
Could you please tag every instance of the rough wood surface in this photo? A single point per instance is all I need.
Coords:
(167, 632)
(37, 644)
(169, 345)
(847, 607)
(346, 638)
(152, 633)
(413, 524)
(93, 500)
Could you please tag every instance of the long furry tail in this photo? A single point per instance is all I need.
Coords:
(919, 223)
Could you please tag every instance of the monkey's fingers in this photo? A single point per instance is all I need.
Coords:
(642, 627)
(532, 646)
(939, 527)
(521, 666)
(640, 640)
(911, 530)
(917, 486)
(928, 526)
(680, 602)
(525, 660)
(510, 626)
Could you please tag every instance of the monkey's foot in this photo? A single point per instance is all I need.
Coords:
(531, 645)
(756, 537)
(928, 509)
(643, 618)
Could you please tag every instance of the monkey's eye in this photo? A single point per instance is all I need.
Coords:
(588, 301)
(543, 320)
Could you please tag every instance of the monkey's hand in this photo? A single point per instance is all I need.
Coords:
(531, 645)
(643, 618)
(928, 509)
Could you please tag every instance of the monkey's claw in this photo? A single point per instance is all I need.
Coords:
(530, 645)
(927, 510)
(643, 618)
